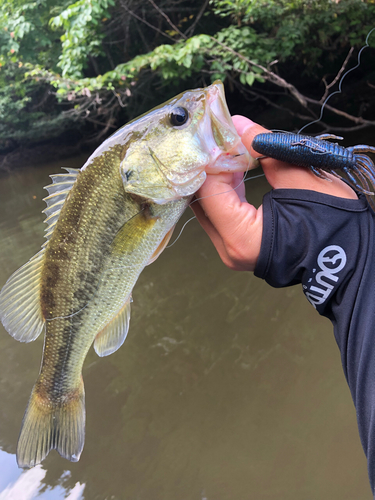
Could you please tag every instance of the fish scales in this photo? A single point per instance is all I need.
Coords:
(75, 260)
(106, 222)
(92, 286)
(75, 255)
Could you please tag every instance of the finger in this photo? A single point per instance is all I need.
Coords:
(222, 205)
(275, 171)
(284, 175)
(248, 129)
(238, 185)
(207, 225)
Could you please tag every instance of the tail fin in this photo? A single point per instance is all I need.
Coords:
(47, 426)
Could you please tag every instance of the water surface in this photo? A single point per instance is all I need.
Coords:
(225, 389)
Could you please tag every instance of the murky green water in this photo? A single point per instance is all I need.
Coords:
(225, 388)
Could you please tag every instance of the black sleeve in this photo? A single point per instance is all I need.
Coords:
(328, 245)
(310, 238)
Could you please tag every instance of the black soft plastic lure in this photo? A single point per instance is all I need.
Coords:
(322, 156)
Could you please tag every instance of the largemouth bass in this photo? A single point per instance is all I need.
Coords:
(106, 222)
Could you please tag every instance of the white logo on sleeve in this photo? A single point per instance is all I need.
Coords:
(331, 260)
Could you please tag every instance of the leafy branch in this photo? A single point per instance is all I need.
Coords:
(98, 63)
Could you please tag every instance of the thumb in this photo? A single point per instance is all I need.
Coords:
(247, 130)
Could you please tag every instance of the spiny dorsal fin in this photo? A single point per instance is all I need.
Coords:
(57, 193)
(114, 334)
(20, 310)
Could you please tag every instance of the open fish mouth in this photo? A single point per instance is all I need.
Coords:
(187, 187)
(227, 151)
(232, 161)
(219, 139)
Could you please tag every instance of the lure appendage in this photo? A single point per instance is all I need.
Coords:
(321, 156)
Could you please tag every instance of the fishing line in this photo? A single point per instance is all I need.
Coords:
(253, 177)
(243, 180)
(73, 314)
(223, 192)
(183, 227)
(339, 91)
(281, 131)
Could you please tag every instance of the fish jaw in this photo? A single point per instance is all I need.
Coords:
(226, 150)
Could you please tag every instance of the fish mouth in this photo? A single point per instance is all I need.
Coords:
(227, 152)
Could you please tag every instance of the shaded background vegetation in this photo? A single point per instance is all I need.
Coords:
(77, 71)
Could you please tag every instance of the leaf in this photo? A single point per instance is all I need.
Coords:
(250, 77)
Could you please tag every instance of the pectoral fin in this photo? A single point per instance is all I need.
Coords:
(164, 242)
(20, 310)
(114, 334)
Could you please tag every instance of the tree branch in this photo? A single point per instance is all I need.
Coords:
(269, 75)
(355, 119)
(146, 22)
(189, 32)
(327, 87)
(167, 18)
(303, 100)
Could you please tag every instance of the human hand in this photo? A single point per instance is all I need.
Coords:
(235, 226)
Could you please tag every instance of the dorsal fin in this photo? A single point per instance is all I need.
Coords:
(114, 333)
(57, 193)
(20, 310)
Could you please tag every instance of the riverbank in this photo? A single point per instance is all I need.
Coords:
(44, 152)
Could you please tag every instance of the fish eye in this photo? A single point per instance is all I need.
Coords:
(179, 116)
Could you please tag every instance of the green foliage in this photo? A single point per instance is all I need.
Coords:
(81, 34)
(24, 32)
(304, 29)
(24, 109)
(95, 59)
